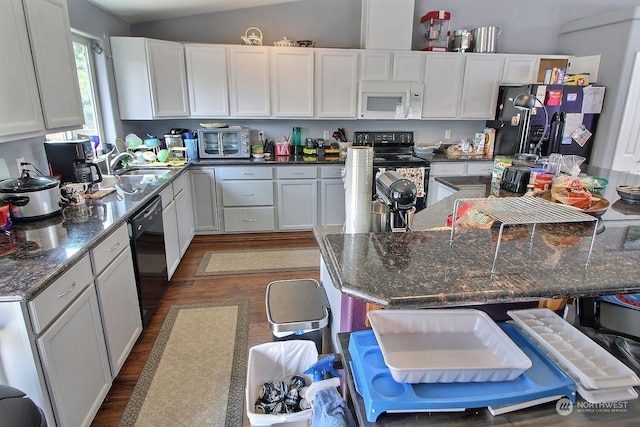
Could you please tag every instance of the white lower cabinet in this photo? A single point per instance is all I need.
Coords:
(437, 191)
(170, 228)
(74, 361)
(332, 201)
(204, 195)
(120, 309)
(184, 211)
(297, 197)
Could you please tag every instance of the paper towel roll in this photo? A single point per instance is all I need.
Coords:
(358, 189)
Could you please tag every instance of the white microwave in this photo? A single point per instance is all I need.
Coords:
(390, 100)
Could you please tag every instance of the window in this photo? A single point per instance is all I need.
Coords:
(82, 48)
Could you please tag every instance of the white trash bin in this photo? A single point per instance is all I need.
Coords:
(278, 361)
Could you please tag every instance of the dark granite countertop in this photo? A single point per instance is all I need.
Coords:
(425, 268)
(38, 252)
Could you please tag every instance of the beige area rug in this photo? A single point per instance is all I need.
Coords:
(258, 261)
(196, 371)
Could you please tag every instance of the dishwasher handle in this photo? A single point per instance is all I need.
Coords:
(145, 217)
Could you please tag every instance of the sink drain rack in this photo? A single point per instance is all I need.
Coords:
(509, 211)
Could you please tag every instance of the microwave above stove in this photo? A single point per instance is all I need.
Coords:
(221, 142)
(390, 100)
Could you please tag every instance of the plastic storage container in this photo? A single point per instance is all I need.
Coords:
(297, 309)
(278, 361)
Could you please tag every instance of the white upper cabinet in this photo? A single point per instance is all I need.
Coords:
(150, 78)
(39, 81)
(336, 83)
(482, 74)
(443, 77)
(375, 66)
(20, 110)
(249, 81)
(520, 69)
(292, 77)
(408, 66)
(54, 60)
(207, 80)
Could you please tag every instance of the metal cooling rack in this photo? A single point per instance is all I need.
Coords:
(524, 211)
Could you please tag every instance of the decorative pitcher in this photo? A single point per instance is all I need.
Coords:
(253, 38)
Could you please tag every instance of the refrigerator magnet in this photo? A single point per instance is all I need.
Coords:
(581, 135)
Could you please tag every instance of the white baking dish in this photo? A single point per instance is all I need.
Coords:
(446, 345)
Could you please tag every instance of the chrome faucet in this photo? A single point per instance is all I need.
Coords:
(114, 162)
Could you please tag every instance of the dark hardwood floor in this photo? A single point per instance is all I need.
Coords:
(186, 288)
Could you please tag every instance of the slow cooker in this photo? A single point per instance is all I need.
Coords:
(31, 197)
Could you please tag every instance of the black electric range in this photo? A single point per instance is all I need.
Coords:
(391, 149)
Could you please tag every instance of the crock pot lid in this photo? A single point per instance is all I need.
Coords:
(28, 184)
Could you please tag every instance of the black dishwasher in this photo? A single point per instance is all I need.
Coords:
(149, 257)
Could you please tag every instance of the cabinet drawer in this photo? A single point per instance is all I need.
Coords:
(46, 306)
(255, 172)
(480, 168)
(180, 183)
(332, 171)
(247, 193)
(249, 219)
(297, 172)
(108, 250)
(447, 169)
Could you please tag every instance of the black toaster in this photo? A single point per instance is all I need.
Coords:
(515, 179)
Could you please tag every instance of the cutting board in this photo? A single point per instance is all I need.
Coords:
(100, 193)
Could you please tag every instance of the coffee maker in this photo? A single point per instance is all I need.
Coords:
(399, 194)
(72, 161)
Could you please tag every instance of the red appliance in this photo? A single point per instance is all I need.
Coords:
(436, 23)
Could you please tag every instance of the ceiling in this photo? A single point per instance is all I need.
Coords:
(134, 11)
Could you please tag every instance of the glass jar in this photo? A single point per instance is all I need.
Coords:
(296, 140)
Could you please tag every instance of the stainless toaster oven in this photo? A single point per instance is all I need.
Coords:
(221, 142)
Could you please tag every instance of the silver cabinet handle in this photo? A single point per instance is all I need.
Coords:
(246, 173)
(248, 194)
(249, 220)
(73, 285)
(297, 173)
(114, 247)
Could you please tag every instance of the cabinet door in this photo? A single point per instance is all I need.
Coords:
(297, 204)
(50, 36)
(442, 85)
(292, 76)
(332, 202)
(520, 69)
(184, 215)
(249, 76)
(74, 360)
(203, 193)
(482, 73)
(207, 80)
(121, 318)
(171, 241)
(20, 110)
(408, 66)
(168, 79)
(336, 83)
(375, 66)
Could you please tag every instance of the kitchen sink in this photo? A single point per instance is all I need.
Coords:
(133, 180)
(145, 171)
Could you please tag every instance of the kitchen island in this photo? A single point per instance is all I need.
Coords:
(426, 268)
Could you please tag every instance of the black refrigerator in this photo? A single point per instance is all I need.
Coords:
(568, 127)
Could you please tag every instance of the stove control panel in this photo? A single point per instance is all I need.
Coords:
(373, 139)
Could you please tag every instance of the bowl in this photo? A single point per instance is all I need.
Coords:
(152, 142)
(149, 156)
(132, 140)
(162, 155)
(629, 193)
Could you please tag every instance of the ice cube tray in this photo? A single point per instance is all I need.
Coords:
(586, 362)
(381, 393)
(445, 345)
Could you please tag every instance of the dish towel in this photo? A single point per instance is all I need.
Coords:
(330, 410)
(415, 175)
